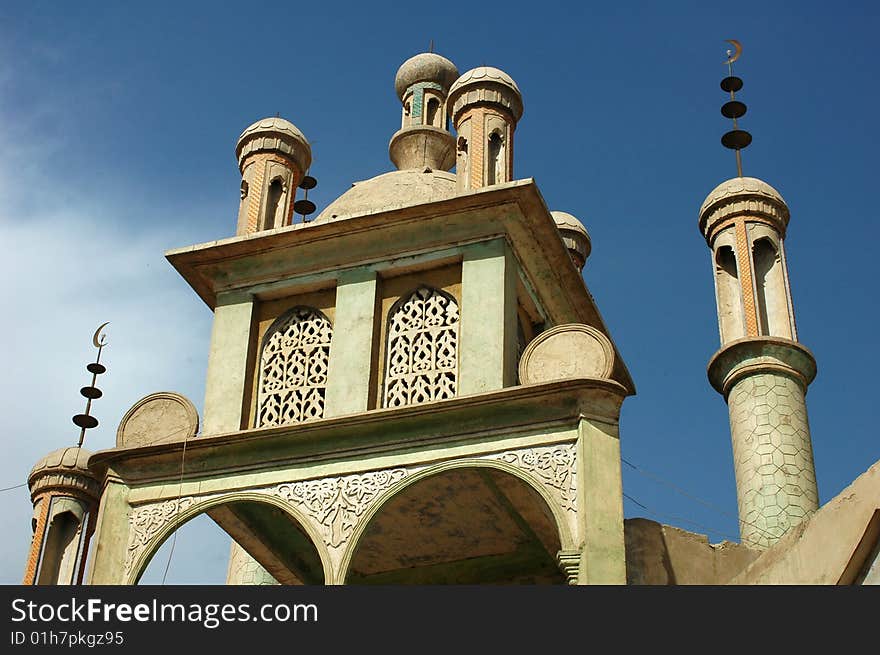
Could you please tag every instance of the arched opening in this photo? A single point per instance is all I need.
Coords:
(495, 164)
(461, 164)
(273, 199)
(294, 360)
(432, 116)
(730, 311)
(466, 525)
(270, 537)
(407, 110)
(59, 561)
(421, 351)
(772, 299)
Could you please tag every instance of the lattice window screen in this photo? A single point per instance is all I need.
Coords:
(421, 361)
(293, 368)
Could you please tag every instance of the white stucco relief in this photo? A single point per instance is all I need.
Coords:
(335, 505)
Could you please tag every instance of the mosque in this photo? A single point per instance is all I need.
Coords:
(416, 386)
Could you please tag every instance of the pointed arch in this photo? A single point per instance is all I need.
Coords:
(421, 350)
(294, 358)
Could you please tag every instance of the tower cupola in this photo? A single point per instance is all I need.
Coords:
(485, 105)
(65, 494)
(574, 236)
(423, 140)
(273, 156)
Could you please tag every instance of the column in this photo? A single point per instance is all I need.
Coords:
(600, 504)
(228, 363)
(488, 318)
(348, 377)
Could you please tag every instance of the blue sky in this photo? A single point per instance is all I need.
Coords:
(117, 128)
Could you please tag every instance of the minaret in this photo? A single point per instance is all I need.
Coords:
(761, 369)
(423, 140)
(485, 105)
(273, 156)
(65, 494)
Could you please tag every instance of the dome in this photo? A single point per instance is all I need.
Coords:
(392, 190)
(742, 195)
(71, 458)
(65, 470)
(485, 74)
(565, 221)
(741, 186)
(574, 236)
(425, 67)
(488, 75)
(275, 133)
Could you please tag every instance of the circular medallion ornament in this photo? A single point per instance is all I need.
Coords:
(572, 350)
(161, 417)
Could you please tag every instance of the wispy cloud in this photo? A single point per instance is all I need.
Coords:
(70, 263)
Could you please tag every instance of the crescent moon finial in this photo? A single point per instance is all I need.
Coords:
(739, 50)
(100, 340)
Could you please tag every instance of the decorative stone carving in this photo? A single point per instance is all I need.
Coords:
(552, 465)
(571, 350)
(145, 522)
(337, 503)
(422, 353)
(293, 368)
(569, 563)
(161, 417)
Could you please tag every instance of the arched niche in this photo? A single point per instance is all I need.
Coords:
(728, 291)
(421, 349)
(294, 360)
(272, 532)
(468, 522)
(772, 297)
(62, 547)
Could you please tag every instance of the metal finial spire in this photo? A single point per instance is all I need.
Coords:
(431, 46)
(736, 139)
(91, 392)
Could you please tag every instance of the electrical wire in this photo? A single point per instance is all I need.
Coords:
(176, 510)
(686, 494)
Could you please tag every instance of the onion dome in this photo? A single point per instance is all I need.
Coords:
(425, 67)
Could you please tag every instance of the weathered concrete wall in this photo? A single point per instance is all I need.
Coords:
(819, 550)
(658, 554)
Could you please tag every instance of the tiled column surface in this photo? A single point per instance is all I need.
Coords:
(245, 570)
(773, 456)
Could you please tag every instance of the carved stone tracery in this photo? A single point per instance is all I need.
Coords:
(422, 352)
(293, 368)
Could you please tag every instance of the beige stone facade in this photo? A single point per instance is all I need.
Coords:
(418, 387)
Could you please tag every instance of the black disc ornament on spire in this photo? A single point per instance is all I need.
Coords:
(304, 207)
(86, 421)
(736, 139)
